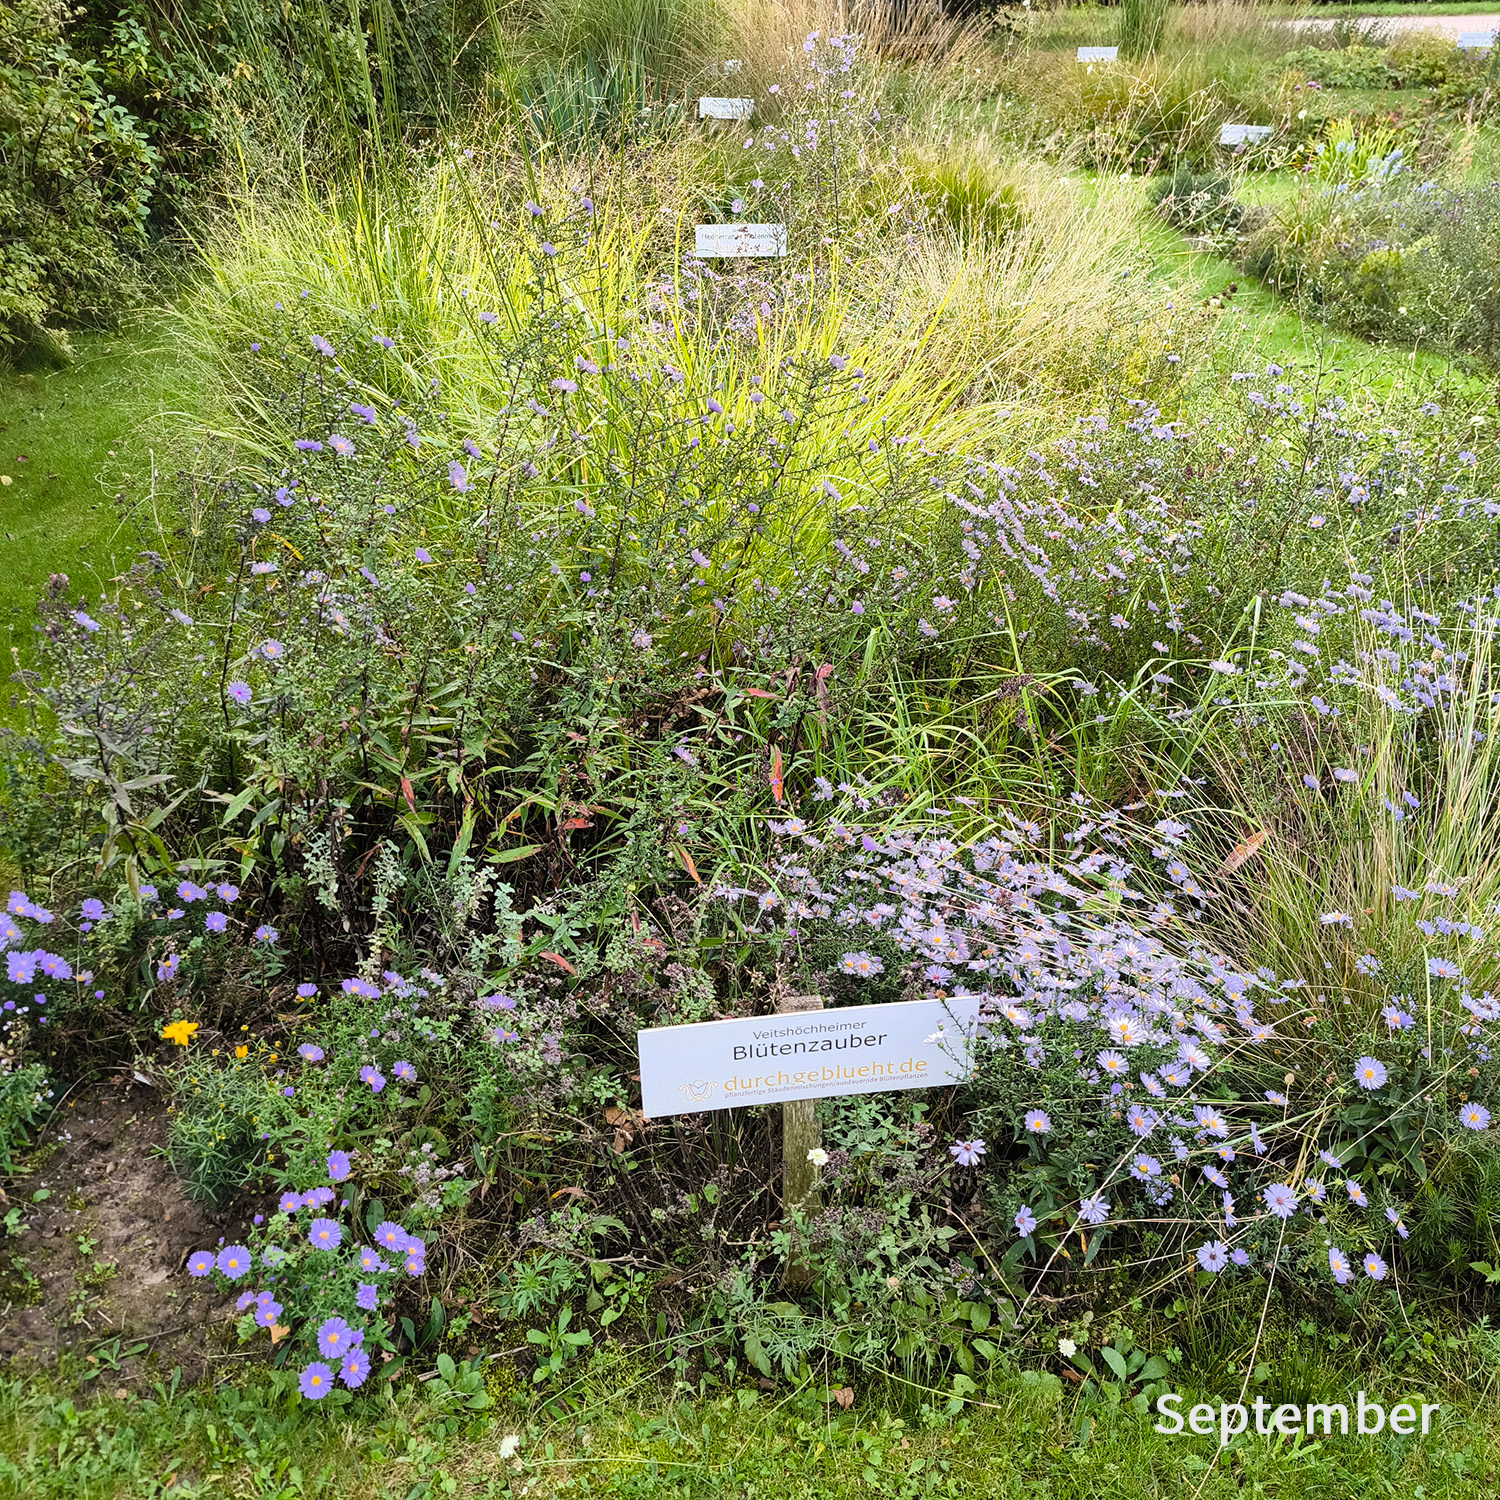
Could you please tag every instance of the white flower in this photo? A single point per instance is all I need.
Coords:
(1067, 1348)
(508, 1445)
(818, 1156)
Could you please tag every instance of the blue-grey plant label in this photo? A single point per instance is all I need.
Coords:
(857, 1049)
(725, 109)
(1243, 135)
(1098, 54)
(721, 241)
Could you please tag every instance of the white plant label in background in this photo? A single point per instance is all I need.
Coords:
(1098, 54)
(1480, 41)
(1243, 135)
(725, 109)
(733, 240)
(810, 1054)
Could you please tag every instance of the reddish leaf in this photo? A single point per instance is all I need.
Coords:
(778, 786)
(687, 862)
(406, 792)
(820, 683)
(760, 693)
(561, 962)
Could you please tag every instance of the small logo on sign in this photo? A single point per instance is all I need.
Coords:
(696, 1093)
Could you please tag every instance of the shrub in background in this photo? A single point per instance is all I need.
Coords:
(76, 178)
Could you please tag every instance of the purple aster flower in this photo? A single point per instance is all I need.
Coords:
(233, 1261)
(289, 1202)
(1038, 1121)
(87, 621)
(93, 910)
(338, 1166)
(367, 1297)
(1368, 1073)
(1338, 1263)
(200, 1263)
(266, 934)
(321, 345)
(1025, 1220)
(416, 1259)
(458, 476)
(1093, 1210)
(271, 650)
(355, 1367)
(215, 921)
(370, 1260)
(261, 514)
(423, 555)
(267, 1310)
(374, 1078)
(336, 1337)
(392, 1236)
(306, 992)
(1474, 1117)
(229, 893)
(365, 413)
(310, 1052)
(1280, 1199)
(1375, 1268)
(240, 692)
(405, 1072)
(967, 1153)
(318, 1196)
(1213, 1255)
(315, 1381)
(324, 1234)
(341, 445)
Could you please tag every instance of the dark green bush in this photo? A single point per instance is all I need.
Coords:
(76, 178)
(1198, 202)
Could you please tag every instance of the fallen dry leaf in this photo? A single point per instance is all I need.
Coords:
(845, 1398)
(1244, 850)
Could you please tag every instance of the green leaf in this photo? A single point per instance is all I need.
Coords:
(1114, 1359)
(509, 856)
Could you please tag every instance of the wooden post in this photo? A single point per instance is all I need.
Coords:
(800, 1134)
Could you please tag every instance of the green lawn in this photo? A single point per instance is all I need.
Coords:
(73, 442)
(617, 1431)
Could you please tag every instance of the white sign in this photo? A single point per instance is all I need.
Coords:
(1243, 135)
(725, 109)
(810, 1054)
(739, 239)
(1482, 40)
(1098, 54)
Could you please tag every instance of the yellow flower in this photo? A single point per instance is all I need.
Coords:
(179, 1032)
(241, 1051)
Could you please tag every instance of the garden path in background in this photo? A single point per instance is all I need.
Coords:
(1448, 25)
(90, 1263)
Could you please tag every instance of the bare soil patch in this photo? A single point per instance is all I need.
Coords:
(95, 1264)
